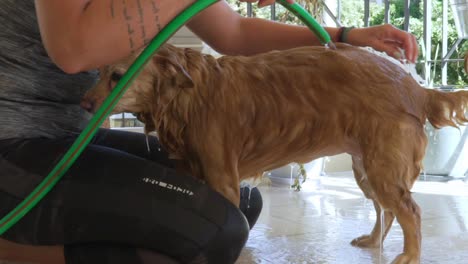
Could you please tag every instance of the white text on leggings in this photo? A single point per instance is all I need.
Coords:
(168, 186)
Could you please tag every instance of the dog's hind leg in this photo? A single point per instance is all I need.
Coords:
(376, 237)
(391, 170)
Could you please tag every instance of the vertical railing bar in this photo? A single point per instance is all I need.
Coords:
(332, 16)
(338, 10)
(387, 12)
(444, 39)
(427, 33)
(366, 12)
(407, 15)
(273, 12)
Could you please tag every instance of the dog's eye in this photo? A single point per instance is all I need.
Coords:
(116, 76)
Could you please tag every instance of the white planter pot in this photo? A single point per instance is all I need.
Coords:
(447, 151)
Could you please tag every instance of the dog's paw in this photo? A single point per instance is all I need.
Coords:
(366, 241)
(406, 259)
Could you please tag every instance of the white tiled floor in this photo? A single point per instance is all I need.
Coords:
(316, 224)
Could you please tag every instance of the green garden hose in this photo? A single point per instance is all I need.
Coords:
(106, 108)
(309, 21)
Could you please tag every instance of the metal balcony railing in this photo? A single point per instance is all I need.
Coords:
(459, 8)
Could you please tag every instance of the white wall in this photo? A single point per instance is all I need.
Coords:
(184, 38)
(338, 163)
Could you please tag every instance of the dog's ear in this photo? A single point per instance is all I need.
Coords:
(170, 63)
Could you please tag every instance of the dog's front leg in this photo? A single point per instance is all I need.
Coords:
(226, 182)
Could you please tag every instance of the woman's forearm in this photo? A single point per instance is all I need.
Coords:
(86, 34)
(231, 34)
(260, 35)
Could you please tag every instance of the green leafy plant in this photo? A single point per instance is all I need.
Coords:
(455, 74)
(314, 7)
(302, 173)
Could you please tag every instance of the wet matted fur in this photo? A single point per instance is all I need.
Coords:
(235, 117)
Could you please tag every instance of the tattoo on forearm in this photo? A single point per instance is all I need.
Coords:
(156, 14)
(130, 31)
(142, 24)
(86, 5)
(112, 8)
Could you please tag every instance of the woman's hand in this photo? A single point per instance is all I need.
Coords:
(386, 38)
(262, 3)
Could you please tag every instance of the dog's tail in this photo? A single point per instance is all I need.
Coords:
(447, 108)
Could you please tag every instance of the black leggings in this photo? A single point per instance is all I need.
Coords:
(120, 203)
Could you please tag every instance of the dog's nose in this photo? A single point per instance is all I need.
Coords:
(87, 105)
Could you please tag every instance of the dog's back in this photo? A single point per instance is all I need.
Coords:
(306, 102)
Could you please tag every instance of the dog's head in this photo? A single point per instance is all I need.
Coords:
(160, 80)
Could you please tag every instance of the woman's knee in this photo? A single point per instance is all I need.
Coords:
(227, 245)
(233, 233)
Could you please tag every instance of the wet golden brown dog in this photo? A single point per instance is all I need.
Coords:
(234, 117)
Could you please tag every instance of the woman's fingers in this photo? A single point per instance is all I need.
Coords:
(386, 38)
(408, 43)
